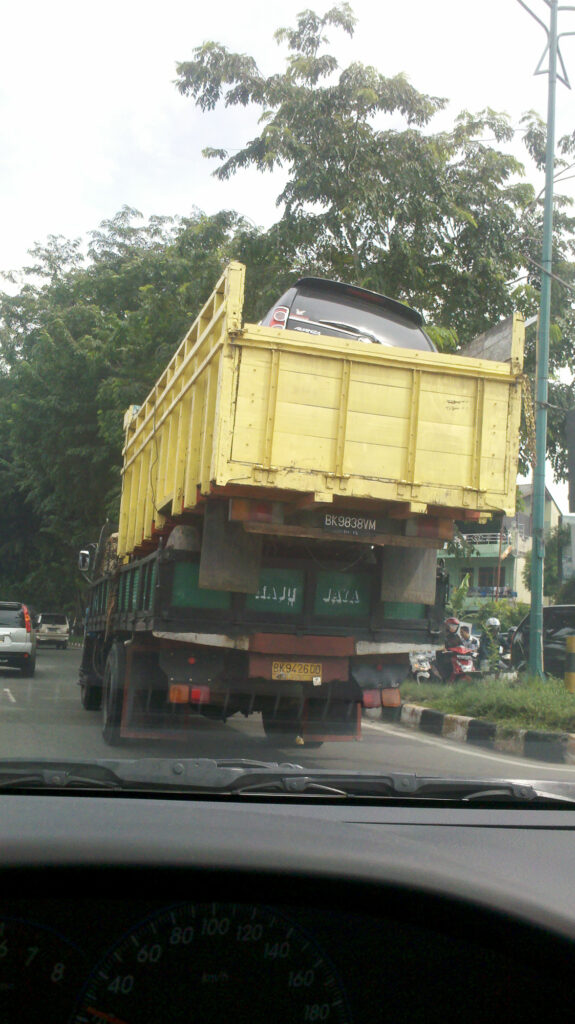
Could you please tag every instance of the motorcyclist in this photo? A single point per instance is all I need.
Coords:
(452, 636)
(489, 645)
(467, 638)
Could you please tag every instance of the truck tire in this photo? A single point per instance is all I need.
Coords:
(113, 694)
(91, 696)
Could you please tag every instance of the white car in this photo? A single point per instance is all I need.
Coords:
(53, 628)
(17, 637)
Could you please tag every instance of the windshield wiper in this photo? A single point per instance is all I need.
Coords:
(242, 776)
(357, 331)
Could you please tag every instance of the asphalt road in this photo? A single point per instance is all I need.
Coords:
(43, 717)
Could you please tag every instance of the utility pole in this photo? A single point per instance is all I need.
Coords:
(538, 498)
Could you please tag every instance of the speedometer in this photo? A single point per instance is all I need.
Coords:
(214, 962)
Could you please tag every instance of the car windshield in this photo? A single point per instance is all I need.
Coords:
(250, 541)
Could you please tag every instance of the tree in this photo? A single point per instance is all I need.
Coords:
(429, 218)
(79, 342)
(552, 570)
(445, 221)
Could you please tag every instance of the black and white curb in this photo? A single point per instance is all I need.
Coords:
(556, 747)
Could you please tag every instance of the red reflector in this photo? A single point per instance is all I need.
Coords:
(191, 661)
(391, 697)
(371, 699)
(199, 694)
(179, 693)
(262, 511)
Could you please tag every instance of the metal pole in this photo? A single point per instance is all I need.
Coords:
(499, 561)
(536, 619)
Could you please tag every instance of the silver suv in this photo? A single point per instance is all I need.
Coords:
(53, 628)
(17, 637)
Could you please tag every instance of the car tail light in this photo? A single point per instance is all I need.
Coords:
(279, 317)
(27, 620)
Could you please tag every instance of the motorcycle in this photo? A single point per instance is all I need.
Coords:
(421, 664)
(444, 666)
(456, 663)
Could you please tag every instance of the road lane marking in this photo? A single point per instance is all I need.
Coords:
(9, 694)
(467, 749)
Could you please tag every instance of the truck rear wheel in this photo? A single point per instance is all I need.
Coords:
(91, 696)
(113, 694)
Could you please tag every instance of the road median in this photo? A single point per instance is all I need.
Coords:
(536, 744)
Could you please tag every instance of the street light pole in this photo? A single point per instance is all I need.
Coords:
(536, 622)
(538, 497)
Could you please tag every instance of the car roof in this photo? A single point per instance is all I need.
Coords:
(351, 290)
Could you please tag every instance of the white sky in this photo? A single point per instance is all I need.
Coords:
(90, 118)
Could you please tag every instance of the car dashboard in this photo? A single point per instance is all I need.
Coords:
(119, 909)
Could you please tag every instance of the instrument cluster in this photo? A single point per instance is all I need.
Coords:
(88, 960)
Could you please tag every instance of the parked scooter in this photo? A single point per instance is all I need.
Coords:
(421, 664)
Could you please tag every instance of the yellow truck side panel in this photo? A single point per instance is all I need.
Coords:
(256, 406)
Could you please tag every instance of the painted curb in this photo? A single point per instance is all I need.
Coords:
(553, 747)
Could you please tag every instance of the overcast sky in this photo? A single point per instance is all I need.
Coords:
(91, 119)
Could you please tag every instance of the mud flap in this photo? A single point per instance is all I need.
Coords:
(230, 558)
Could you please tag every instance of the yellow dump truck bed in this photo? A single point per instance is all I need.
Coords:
(244, 406)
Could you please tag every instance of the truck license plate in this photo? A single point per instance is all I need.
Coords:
(297, 671)
(357, 524)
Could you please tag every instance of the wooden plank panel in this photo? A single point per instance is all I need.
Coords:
(374, 372)
(451, 469)
(373, 460)
(310, 388)
(372, 429)
(295, 450)
(381, 397)
(445, 437)
(192, 474)
(306, 421)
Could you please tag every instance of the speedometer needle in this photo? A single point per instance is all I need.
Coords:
(110, 1017)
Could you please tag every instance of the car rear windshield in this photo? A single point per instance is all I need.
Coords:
(51, 619)
(11, 616)
(361, 314)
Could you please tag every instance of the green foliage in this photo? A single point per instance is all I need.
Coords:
(520, 704)
(79, 343)
(509, 613)
(458, 596)
(552, 563)
(566, 592)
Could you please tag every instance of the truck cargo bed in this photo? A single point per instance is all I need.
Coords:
(318, 421)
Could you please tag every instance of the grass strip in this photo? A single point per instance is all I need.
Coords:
(524, 703)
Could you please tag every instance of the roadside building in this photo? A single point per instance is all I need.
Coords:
(493, 555)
